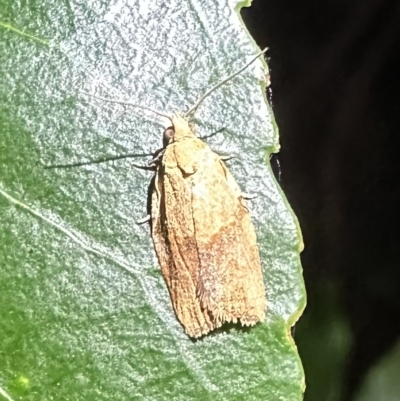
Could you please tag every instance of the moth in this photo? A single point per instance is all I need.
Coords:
(202, 231)
(204, 238)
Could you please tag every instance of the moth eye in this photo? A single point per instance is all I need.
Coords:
(168, 135)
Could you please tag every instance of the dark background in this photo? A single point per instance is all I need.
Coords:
(335, 92)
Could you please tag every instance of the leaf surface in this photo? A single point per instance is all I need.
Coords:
(85, 312)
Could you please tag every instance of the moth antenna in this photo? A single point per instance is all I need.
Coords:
(127, 104)
(97, 161)
(144, 220)
(223, 82)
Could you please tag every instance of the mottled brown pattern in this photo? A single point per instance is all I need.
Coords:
(204, 238)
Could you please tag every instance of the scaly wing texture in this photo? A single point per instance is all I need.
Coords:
(230, 282)
(178, 256)
(214, 254)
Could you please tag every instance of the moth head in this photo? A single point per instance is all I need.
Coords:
(180, 128)
(168, 136)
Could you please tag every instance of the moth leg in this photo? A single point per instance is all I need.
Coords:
(157, 157)
(144, 220)
(153, 163)
(225, 157)
(249, 196)
(212, 134)
(148, 168)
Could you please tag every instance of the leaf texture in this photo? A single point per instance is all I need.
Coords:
(85, 312)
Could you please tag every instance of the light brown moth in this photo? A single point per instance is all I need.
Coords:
(204, 238)
(201, 227)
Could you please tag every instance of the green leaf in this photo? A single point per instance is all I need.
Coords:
(85, 312)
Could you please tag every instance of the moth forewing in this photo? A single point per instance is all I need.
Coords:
(174, 241)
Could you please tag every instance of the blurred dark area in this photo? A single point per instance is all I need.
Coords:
(335, 69)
